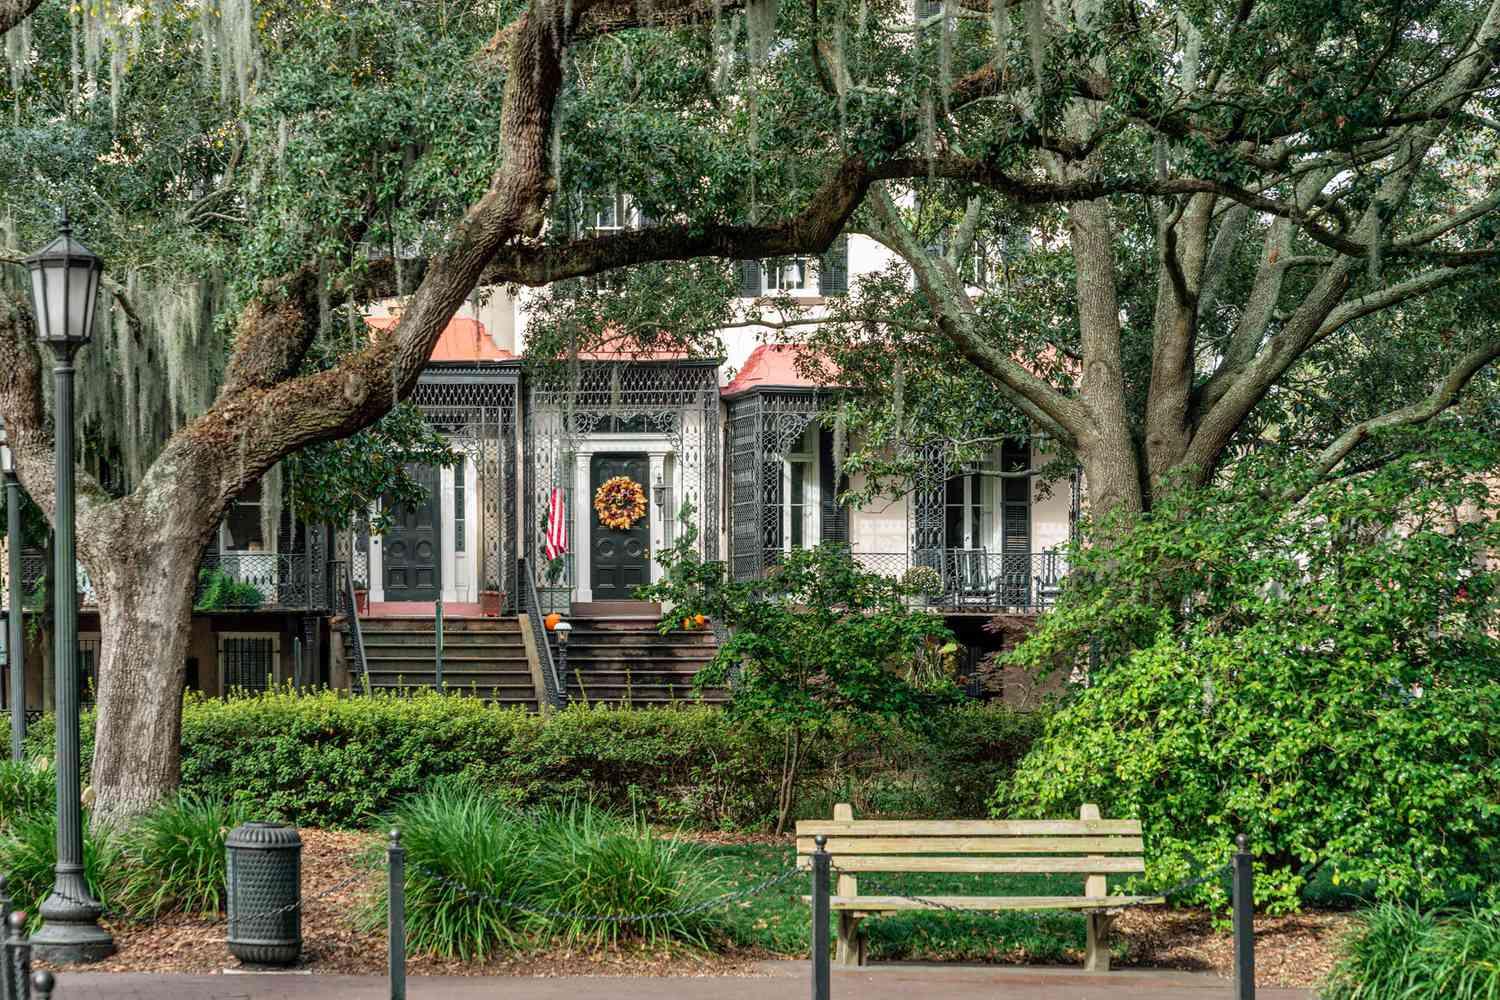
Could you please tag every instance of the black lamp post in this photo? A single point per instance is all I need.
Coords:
(65, 292)
(14, 608)
(564, 631)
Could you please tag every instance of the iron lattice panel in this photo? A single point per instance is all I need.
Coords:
(679, 401)
(763, 428)
(476, 407)
(249, 663)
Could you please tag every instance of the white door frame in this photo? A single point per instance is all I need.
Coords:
(658, 448)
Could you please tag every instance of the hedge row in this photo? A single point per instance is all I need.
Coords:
(326, 760)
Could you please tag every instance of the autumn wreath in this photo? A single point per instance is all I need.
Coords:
(620, 503)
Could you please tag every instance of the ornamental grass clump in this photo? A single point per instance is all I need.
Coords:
(1402, 952)
(173, 860)
(28, 855)
(591, 863)
(25, 787)
(456, 841)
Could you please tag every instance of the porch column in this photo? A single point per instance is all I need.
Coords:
(659, 519)
(582, 542)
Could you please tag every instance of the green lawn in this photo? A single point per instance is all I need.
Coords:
(779, 920)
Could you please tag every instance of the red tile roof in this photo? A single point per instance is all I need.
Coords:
(462, 340)
(781, 366)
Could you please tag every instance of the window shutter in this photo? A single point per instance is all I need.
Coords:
(833, 517)
(833, 274)
(750, 283)
(927, 8)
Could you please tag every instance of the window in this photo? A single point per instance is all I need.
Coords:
(964, 512)
(789, 274)
(241, 530)
(460, 523)
(791, 485)
(1015, 498)
(88, 667)
(247, 661)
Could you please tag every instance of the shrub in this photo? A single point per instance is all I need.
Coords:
(1402, 953)
(456, 840)
(28, 855)
(173, 859)
(589, 862)
(25, 787)
(1323, 675)
(218, 590)
(331, 761)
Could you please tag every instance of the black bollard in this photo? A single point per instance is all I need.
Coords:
(820, 957)
(1244, 921)
(16, 955)
(395, 856)
(41, 986)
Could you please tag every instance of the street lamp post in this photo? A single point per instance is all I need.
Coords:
(65, 291)
(14, 632)
(563, 630)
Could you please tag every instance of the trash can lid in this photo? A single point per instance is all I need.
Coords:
(263, 836)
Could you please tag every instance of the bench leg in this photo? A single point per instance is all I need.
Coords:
(1097, 957)
(851, 949)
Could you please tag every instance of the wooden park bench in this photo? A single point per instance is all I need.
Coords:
(1088, 846)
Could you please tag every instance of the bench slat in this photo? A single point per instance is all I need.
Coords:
(976, 845)
(977, 865)
(970, 828)
(885, 904)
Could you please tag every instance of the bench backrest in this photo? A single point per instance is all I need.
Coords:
(1086, 846)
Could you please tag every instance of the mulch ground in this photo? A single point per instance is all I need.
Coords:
(1290, 951)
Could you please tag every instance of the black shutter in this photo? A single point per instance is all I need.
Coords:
(833, 517)
(750, 286)
(833, 274)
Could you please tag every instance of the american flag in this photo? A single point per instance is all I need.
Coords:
(557, 525)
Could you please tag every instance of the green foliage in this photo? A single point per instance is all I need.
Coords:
(575, 860)
(1322, 675)
(341, 481)
(325, 760)
(173, 860)
(218, 590)
(589, 861)
(28, 855)
(26, 786)
(1404, 953)
(820, 640)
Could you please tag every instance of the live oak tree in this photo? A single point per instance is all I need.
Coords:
(249, 162)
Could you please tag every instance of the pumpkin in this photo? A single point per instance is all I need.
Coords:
(700, 621)
(552, 620)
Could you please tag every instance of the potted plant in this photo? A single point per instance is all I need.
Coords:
(554, 594)
(920, 583)
(490, 599)
(361, 597)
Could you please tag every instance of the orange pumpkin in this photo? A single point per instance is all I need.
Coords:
(700, 621)
(687, 623)
(552, 620)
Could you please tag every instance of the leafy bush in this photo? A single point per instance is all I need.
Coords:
(28, 855)
(218, 590)
(25, 787)
(1323, 675)
(173, 859)
(330, 761)
(1403, 953)
(457, 839)
(590, 862)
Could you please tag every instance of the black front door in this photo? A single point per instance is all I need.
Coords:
(412, 546)
(619, 561)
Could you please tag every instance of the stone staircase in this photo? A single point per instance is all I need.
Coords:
(481, 656)
(627, 661)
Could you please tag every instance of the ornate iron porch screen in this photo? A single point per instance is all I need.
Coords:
(570, 402)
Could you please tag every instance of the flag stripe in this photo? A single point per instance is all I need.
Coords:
(557, 526)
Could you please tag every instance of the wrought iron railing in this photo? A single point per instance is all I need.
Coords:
(279, 580)
(344, 582)
(972, 579)
(556, 693)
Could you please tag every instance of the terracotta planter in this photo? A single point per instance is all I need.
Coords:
(490, 602)
(361, 602)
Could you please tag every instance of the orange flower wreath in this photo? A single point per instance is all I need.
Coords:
(620, 502)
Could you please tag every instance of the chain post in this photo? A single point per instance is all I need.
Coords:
(4, 899)
(820, 957)
(1244, 921)
(297, 663)
(395, 856)
(17, 956)
(41, 986)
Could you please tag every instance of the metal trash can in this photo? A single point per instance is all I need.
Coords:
(265, 893)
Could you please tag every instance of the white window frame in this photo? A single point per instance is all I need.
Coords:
(774, 270)
(975, 480)
(275, 637)
(807, 457)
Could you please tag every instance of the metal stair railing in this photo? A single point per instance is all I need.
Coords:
(356, 634)
(555, 693)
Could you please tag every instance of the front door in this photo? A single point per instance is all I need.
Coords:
(619, 561)
(411, 545)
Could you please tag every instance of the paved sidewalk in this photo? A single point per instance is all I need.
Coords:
(782, 981)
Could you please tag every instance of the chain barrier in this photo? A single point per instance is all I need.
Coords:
(122, 916)
(1176, 890)
(754, 889)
